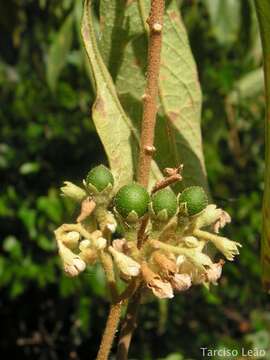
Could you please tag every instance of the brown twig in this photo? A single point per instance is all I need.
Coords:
(155, 22)
(173, 175)
(128, 326)
(110, 329)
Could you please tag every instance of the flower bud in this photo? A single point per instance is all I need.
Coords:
(89, 256)
(72, 263)
(131, 202)
(99, 179)
(191, 241)
(192, 200)
(214, 216)
(71, 239)
(214, 272)
(125, 264)
(99, 243)
(164, 204)
(84, 244)
(73, 191)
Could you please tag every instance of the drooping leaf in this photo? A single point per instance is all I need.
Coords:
(263, 14)
(58, 52)
(178, 133)
(119, 136)
(181, 100)
(113, 33)
(225, 16)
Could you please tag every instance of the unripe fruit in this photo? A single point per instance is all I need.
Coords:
(99, 177)
(132, 198)
(166, 200)
(195, 200)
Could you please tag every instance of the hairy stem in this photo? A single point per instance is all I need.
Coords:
(263, 14)
(128, 326)
(110, 329)
(155, 22)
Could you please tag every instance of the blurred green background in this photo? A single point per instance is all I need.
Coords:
(47, 137)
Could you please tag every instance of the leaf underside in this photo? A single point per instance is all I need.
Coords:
(178, 133)
(119, 136)
(122, 48)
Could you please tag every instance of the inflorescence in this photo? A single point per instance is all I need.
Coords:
(163, 235)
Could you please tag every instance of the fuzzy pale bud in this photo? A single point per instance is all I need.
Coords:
(125, 264)
(72, 263)
(73, 191)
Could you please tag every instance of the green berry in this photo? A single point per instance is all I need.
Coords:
(132, 198)
(195, 199)
(99, 177)
(165, 199)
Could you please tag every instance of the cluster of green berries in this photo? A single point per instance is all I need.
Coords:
(133, 200)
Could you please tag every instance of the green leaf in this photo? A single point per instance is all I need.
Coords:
(181, 100)
(247, 87)
(225, 16)
(119, 136)
(58, 52)
(263, 14)
(178, 133)
(114, 36)
(12, 246)
(51, 205)
(29, 168)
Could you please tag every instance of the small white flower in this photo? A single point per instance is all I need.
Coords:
(181, 282)
(214, 272)
(213, 216)
(197, 275)
(160, 288)
(228, 247)
(222, 221)
(73, 191)
(197, 258)
(126, 264)
(72, 263)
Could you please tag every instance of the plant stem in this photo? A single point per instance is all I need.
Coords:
(128, 326)
(155, 22)
(263, 14)
(110, 329)
(107, 264)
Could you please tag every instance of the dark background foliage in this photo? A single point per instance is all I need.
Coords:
(47, 137)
